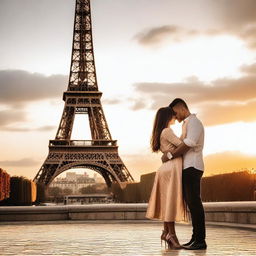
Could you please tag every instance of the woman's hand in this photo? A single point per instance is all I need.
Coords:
(164, 157)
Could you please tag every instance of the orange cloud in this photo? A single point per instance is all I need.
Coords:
(158, 35)
(225, 89)
(249, 69)
(27, 167)
(234, 13)
(214, 114)
(221, 101)
(167, 34)
(11, 118)
(25, 162)
(19, 86)
(235, 17)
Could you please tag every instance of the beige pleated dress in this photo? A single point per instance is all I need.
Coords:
(166, 200)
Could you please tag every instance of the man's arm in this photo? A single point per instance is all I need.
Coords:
(194, 130)
(179, 151)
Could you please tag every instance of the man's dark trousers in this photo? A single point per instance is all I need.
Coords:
(191, 180)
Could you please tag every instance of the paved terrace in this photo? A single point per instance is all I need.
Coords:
(120, 229)
(116, 238)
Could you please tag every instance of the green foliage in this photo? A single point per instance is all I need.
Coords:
(236, 186)
(54, 191)
(67, 191)
(91, 189)
(134, 192)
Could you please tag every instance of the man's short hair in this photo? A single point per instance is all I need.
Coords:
(178, 101)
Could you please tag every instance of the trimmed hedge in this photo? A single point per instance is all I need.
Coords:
(236, 186)
(4, 185)
(22, 192)
(134, 192)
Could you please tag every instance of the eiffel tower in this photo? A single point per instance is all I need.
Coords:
(83, 97)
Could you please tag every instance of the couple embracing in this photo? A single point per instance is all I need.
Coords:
(177, 181)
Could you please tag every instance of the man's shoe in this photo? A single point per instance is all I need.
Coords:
(196, 246)
(190, 242)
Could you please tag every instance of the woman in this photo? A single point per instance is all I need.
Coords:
(166, 201)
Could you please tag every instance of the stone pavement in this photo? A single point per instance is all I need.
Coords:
(116, 238)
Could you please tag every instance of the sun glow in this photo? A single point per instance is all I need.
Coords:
(229, 137)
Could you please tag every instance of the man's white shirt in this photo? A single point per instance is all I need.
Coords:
(195, 140)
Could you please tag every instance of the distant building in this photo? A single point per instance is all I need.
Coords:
(71, 176)
(73, 181)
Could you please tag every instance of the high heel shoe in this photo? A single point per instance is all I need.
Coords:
(163, 237)
(172, 241)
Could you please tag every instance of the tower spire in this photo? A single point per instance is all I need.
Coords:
(82, 70)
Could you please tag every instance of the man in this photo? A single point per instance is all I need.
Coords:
(193, 167)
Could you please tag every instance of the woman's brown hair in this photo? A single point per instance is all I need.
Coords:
(163, 116)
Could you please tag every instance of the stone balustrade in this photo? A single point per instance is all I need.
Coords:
(231, 212)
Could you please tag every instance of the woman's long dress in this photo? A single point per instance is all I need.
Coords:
(166, 201)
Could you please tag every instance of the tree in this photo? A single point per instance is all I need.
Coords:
(96, 188)
(54, 191)
(67, 191)
(88, 190)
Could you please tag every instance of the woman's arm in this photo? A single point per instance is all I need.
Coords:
(170, 136)
(194, 131)
(179, 151)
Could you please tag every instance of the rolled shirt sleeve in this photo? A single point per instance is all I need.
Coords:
(194, 131)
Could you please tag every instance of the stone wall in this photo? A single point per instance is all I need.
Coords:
(233, 212)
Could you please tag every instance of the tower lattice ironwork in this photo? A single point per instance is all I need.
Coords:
(83, 97)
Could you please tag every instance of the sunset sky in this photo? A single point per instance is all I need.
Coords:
(147, 52)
